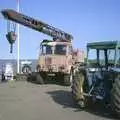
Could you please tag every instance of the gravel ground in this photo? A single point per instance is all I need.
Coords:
(27, 101)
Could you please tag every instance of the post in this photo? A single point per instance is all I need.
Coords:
(18, 40)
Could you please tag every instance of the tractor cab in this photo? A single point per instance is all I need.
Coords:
(103, 54)
(103, 58)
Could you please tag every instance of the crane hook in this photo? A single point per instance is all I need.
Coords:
(11, 37)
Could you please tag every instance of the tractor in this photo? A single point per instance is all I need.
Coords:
(99, 78)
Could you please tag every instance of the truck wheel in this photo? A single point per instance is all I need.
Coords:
(77, 89)
(67, 81)
(26, 69)
(115, 96)
(39, 79)
(35, 78)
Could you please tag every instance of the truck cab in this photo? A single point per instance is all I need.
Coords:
(55, 56)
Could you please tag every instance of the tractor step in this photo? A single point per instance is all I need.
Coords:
(89, 95)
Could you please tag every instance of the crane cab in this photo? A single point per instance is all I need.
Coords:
(55, 56)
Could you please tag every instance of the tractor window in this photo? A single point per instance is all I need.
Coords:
(118, 57)
(101, 58)
(46, 49)
(92, 56)
(60, 49)
(111, 56)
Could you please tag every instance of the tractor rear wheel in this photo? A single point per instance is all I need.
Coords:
(77, 89)
(115, 96)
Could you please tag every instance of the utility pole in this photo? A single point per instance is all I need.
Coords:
(18, 38)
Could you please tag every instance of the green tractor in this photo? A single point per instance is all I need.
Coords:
(99, 78)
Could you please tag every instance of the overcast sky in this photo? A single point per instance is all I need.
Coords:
(86, 20)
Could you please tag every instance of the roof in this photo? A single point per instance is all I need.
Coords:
(51, 42)
(104, 45)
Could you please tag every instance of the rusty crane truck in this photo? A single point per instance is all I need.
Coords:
(57, 59)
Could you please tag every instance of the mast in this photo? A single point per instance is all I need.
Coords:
(18, 40)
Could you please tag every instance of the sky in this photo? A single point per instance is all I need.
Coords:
(86, 20)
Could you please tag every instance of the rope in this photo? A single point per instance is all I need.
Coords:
(14, 27)
(8, 26)
(11, 26)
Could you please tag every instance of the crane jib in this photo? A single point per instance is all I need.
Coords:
(36, 25)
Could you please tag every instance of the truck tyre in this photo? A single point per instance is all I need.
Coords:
(39, 79)
(67, 81)
(26, 69)
(32, 77)
(77, 89)
(35, 78)
(115, 96)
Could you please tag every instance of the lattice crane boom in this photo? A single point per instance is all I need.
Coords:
(36, 25)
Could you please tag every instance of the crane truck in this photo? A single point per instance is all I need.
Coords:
(57, 59)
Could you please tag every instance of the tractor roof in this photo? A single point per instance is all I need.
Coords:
(104, 45)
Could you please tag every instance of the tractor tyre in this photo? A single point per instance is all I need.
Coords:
(115, 96)
(77, 89)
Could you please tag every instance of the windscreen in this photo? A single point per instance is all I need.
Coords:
(60, 49)
(92, 56)
(113, 56)
(46, 49)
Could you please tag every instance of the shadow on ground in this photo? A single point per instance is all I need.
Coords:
(64, 98)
